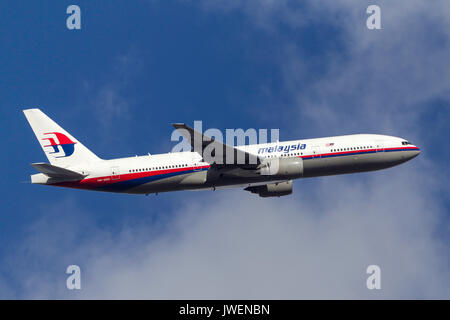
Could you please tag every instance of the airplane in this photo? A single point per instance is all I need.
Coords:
(264, 169)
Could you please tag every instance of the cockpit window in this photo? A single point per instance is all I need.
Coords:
(405, 143)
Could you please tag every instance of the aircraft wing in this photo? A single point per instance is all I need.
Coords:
(57, 172)
(215, 152)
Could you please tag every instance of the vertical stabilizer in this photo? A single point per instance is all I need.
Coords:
(60, 147)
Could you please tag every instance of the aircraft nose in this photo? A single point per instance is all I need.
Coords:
(414, 153)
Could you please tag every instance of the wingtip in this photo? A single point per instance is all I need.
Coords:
(30, 110)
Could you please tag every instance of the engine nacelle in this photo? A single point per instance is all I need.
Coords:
(288, 167)
(272, 189)
(197, 178)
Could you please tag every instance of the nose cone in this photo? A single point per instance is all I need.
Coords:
(415, 152)
(411, 153)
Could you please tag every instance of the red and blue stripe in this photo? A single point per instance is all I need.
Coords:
(357, 152)
(129, 180)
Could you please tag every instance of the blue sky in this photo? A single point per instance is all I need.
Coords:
(309, 68)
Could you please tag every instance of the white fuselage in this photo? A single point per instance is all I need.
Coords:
(187, 170)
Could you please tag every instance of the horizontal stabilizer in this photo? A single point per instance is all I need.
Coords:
(57, 172)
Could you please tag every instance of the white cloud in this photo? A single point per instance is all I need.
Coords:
(110, 101)
(230, 244)
(110, 105)
(382, 80)
(388, 78)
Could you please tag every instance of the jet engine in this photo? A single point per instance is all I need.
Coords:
(286, 167)
(272, 189)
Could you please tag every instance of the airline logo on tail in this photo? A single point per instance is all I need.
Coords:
(67, 146)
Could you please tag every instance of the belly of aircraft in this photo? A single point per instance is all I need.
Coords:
(210, 179)
(324, 166)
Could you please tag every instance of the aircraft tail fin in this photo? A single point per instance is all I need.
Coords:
(60, 147)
